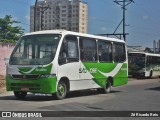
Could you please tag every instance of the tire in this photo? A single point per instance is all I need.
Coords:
(106, 89)
(150, 75)
(61, 90)
(20, 94)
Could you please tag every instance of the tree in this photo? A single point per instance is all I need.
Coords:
(148, 50)
(8, 31)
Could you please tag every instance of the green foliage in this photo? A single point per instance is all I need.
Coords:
(8, 31)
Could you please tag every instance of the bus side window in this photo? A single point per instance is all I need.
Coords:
(119, 52)
(69, 50)
(158, 60)
(149, 60)
(88, 49)
(104, 51)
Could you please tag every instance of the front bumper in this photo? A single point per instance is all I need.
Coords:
(39, 85)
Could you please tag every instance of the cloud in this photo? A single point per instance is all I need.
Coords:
(145, 17)
(27, 17)
(15, 18)
(92, 17)
(103, 28)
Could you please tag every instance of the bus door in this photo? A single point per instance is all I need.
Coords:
(69, 60)
(88, 57)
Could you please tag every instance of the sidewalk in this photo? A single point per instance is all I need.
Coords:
(3, 90)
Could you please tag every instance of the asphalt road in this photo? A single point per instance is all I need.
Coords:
(137, 95)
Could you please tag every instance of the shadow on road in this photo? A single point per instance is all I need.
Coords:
(145, 78)
(85, 93)
(43, 97)
(155, 88)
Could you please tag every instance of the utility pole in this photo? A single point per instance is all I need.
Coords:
(123, 4)
(124, 20)
(35, 11)
(42, 8)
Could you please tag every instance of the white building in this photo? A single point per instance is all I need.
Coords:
(62, 14)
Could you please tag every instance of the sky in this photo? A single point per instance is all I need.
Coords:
(142, 18)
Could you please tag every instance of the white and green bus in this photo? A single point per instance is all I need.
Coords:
(143, 64)
(58, 61)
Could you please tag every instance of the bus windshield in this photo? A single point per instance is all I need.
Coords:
(136, 61)
(36, 49)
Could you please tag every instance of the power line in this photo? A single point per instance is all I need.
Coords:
(131, 26)
(123, 4)
(147, 27)
(102, 20)
(25, 3)
(147, 12)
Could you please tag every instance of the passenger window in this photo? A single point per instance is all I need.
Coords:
(104, 51)
(69, 50)
(119, 52)
(88, 49)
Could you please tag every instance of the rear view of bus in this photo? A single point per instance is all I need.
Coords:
(57, 62)
(143, 64)
(136, 64)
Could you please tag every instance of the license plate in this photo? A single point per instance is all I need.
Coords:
(25, 89)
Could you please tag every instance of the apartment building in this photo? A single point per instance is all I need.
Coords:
(70, 15)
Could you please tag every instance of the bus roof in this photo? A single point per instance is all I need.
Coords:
(148, 54)
(75, 33)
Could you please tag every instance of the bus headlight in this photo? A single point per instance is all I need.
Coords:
(47, 75)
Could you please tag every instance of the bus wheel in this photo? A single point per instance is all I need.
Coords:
(20, 94)
(61, 90)
(150, 75)
(107, 88)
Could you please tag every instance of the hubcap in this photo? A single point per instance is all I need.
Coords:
(108, 87)
(61, 90)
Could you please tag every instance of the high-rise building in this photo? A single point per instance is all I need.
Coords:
(70, 15)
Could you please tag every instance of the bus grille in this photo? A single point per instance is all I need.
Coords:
(25, 77)
(25, 85)
(30, 86)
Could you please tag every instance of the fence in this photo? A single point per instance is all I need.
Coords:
(2, 81)
(5, 51)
